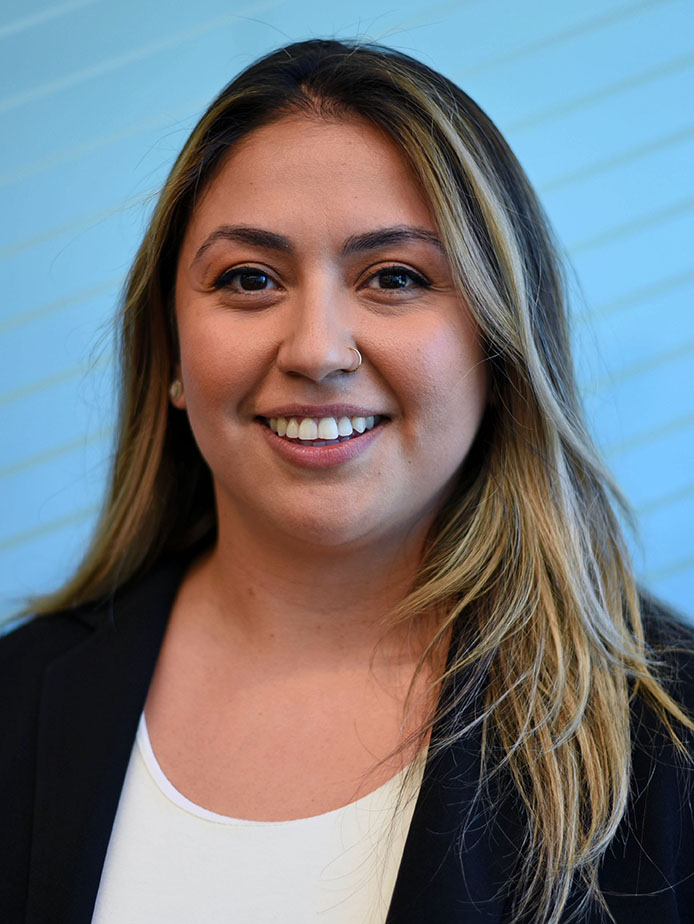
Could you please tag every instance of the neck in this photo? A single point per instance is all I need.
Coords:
(307, 599)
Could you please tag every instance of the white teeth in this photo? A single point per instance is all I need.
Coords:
(327, 429)
(308, 429)
(359, 424)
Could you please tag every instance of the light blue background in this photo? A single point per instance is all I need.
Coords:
(97, 97)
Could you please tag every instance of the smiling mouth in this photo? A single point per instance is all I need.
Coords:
(321, 431)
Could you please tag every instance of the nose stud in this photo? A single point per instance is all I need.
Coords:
(359, 361)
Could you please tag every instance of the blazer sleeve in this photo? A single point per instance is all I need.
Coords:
(648, 873)
(25, 654)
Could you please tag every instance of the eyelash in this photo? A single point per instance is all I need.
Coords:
(396, 270)
(223, 281)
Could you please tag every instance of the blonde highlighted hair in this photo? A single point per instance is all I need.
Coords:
(526, 560)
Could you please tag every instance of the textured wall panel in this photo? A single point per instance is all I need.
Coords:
(97, 97)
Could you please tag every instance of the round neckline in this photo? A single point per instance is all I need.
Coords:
(167, 788)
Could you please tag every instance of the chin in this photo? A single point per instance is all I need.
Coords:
(328, 532)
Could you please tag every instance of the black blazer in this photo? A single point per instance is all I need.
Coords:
(72, 687)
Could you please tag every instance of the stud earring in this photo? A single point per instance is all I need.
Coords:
(359, 361)
(176, 389)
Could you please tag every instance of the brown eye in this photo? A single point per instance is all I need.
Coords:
(395, 280)
(397, 277)
(245, 280)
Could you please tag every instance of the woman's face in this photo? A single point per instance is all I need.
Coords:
(313, 238)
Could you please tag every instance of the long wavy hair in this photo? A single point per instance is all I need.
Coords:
(526, 560)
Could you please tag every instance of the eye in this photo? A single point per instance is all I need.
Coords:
(397, 277)
(245, 279)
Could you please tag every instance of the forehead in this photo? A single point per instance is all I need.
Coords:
(301, 175)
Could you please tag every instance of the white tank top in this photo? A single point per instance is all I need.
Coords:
(170, 861)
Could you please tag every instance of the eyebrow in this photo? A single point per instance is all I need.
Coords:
(357, 243)
(240, 234)
(385, 237)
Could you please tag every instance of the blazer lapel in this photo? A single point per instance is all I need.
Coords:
(91, 702)
(460, 852)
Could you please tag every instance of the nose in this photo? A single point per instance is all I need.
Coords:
(318, 340)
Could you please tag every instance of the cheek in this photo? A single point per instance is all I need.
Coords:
(218, 364)
(446, 382)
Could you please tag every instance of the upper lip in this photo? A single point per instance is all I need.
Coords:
(323, 410)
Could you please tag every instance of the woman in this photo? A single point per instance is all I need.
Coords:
(358, 588)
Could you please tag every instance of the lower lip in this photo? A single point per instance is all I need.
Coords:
(321, 456)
